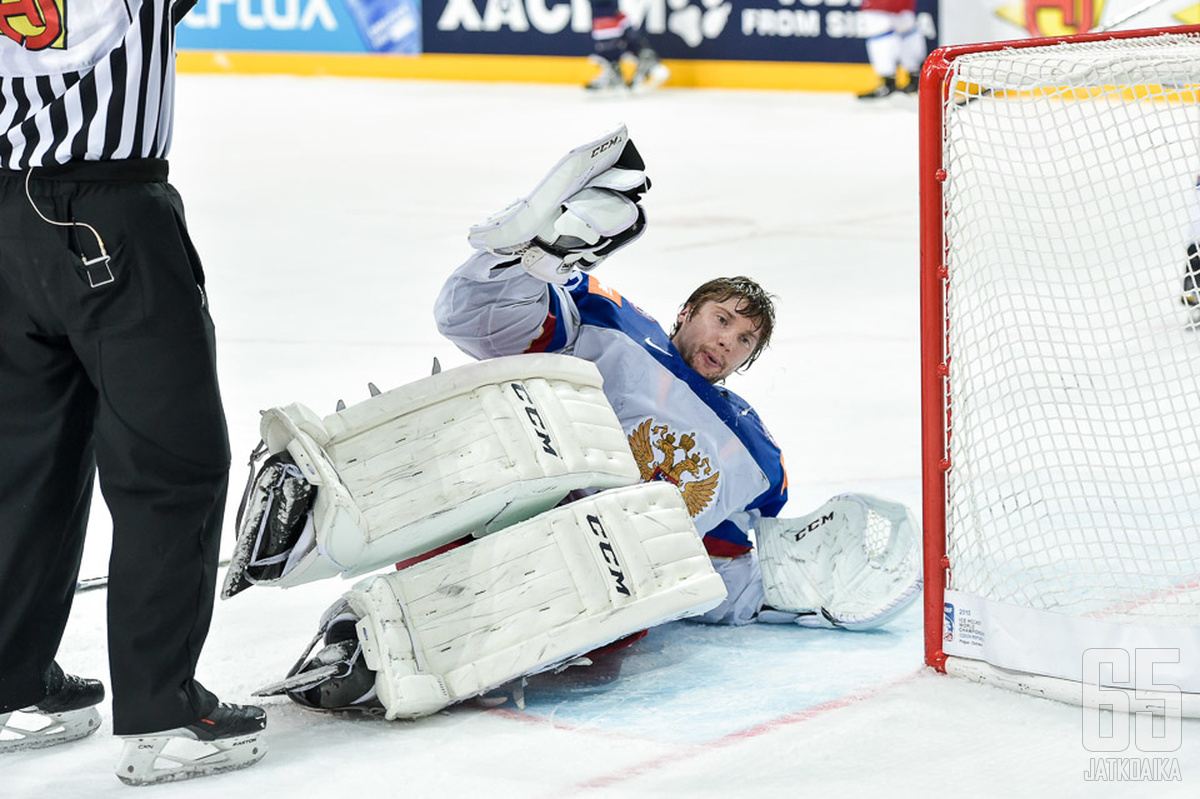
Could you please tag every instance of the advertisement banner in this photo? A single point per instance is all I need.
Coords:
(829, 31)
(998, 20)
(303, 26)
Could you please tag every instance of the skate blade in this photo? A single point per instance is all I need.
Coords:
(153, 759)
(31, 729)
(608, 92)
(300, 682)
(655, 78)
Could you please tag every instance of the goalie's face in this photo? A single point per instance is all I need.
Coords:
(714, 338)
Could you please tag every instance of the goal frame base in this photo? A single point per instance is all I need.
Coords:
(1061, 690)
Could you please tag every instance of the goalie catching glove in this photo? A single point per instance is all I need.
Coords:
(854, 563)
(584, 210)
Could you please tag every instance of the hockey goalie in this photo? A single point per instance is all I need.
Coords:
(575, 536)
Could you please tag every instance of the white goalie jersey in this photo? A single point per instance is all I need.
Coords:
(704, 439)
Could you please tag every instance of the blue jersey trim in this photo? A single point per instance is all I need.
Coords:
(558, 337)
(728, 531)
(599, 310)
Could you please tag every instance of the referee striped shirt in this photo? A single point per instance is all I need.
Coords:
(120, 105)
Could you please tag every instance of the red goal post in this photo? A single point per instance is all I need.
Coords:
(1050, 285)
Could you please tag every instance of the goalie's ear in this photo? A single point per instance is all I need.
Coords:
(854, 563)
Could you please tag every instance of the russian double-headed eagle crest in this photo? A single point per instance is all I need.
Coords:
(678, 465)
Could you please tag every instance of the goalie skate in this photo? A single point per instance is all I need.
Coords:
(229, 739)
(336, 677)
(466, 451)
(68, 713)
(533, 598)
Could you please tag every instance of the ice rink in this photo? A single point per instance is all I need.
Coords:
(328, 212)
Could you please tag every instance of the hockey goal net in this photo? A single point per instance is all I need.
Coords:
(1061, 361)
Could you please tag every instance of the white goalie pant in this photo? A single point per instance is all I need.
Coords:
(468, 451)
(854, 563)
(537, 595)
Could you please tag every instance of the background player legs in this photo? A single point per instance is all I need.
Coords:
(893, 40)
(883, 51)
(608, 45)
(912, 55)
(615, 38)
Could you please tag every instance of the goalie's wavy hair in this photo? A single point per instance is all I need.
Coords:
(754, 303)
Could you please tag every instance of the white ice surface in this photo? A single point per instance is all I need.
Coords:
(328, 212)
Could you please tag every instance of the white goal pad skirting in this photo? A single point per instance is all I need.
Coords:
(978, 633)
(468, 451)
(533, 597)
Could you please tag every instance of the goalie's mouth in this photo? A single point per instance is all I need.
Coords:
(711, 363)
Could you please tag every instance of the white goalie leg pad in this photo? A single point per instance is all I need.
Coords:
(518, 223)
(854, 563)
(544, 592)
(466, 451)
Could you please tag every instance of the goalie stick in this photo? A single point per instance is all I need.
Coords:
(101, 581)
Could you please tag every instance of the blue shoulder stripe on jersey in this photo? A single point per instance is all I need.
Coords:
(557, 339)
(599, 309)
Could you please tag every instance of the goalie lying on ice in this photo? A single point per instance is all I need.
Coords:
(407, 473)
(402, 475)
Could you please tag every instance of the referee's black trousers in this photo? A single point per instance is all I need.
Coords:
(121, 377)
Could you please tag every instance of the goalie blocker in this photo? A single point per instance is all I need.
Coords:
(540, 594)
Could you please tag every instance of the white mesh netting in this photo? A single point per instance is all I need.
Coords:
(1074, 379)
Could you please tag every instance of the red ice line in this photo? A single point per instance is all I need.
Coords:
(738, 736)
(1154, 596)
